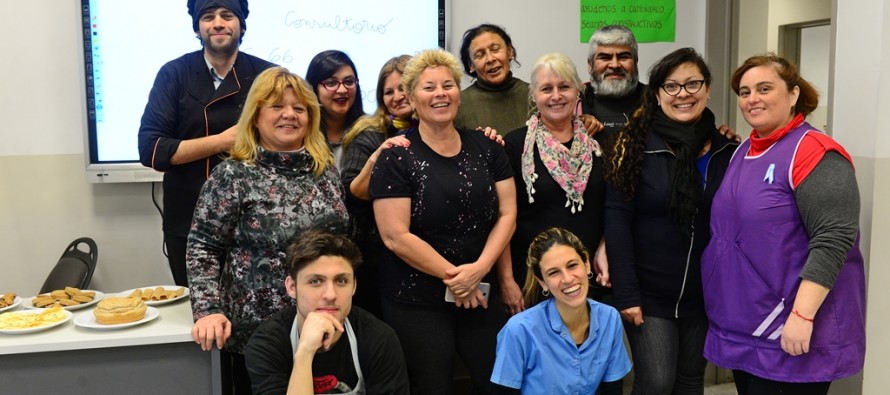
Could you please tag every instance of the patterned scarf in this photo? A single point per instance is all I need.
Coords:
(569, 167)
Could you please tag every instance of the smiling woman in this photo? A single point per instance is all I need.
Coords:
(334, 79)
(662, 171)
(534, 352)
(496, 99)
(559, 172)
(278, 181)
(445, 208)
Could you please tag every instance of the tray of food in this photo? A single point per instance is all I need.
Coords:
(117, 313)
(9, 301)
(158, 295)
(29, 321)
(69, 298)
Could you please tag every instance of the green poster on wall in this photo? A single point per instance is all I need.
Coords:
(650, 20)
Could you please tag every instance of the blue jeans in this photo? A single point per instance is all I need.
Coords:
(668, 355)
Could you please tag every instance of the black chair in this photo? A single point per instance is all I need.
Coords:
(75, 268)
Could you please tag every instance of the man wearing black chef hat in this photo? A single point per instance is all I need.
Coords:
(190, 119)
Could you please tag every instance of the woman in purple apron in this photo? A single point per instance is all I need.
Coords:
(783, 276)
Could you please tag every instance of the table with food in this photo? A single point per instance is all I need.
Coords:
(89, 341)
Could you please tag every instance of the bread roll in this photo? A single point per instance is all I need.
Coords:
(111, 311)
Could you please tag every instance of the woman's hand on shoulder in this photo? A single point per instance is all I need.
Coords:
(633, 315)
(491, 134)
(727, 132)
(396, 141)
(591, 124)
(212, 328)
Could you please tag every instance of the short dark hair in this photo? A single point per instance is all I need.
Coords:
(314, 244)
(466, 59)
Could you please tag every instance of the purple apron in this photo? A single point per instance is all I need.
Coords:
(750, 275)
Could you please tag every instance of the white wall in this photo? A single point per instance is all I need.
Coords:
(859, 122)
(539, 27)
(45, 202)
(858, 96)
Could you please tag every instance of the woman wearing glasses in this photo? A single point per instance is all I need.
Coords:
(662, 171)
(334, 80)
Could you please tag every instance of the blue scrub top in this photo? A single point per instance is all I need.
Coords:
(536, 352)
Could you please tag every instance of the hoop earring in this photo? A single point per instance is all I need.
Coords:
(545, 292)
(589, 275)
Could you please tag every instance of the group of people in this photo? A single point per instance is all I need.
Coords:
(284, 203)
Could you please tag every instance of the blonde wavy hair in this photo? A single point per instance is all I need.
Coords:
(269, 88)
(424, 60)
(379, 120)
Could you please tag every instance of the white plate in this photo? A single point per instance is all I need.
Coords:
(158, 302)
(99, 295)
(15, 303)
(22, 331)
(88, 320)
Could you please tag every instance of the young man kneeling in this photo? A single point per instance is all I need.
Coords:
(324, 345)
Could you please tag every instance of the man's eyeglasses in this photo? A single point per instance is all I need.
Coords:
(692, 87)
(333, 84)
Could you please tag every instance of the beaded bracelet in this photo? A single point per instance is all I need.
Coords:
(797, 313)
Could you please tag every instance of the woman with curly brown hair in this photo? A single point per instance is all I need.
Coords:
(662, 171)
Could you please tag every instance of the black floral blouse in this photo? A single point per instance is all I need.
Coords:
(246, 216)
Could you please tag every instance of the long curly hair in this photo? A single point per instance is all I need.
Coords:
(624, 150)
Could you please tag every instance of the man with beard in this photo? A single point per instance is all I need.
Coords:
(614, 90)
(189, 120)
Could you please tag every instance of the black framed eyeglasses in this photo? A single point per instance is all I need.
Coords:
(333, 84)
(692, 87)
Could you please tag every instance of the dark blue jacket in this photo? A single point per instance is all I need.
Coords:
(183, 104)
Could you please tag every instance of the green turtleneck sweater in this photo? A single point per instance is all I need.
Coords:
(504, 107)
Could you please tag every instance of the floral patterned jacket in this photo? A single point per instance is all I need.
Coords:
(246, 216)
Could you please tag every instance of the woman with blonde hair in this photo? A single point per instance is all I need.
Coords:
(278, 181)
(362, 145)
(445, 208)
(559, 174)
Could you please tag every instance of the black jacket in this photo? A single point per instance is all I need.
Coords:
(183, 104)
(269, 355)
(651, 262)
(612, 112)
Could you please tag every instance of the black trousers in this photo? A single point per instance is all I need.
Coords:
(176, 258)
(430, 336)
(749, 384)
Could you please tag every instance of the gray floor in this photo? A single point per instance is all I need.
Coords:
(721, 389)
